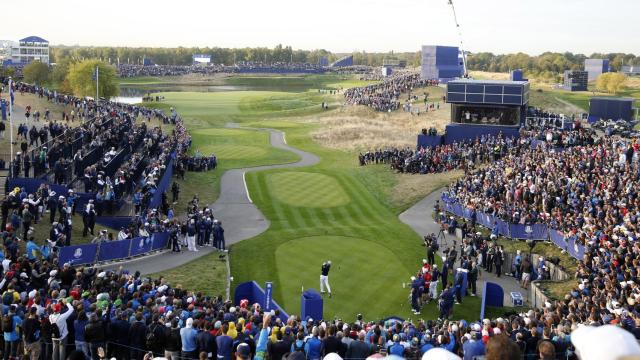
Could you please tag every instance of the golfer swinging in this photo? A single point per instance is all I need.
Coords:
(324, 277)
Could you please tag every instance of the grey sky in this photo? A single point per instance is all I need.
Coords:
(499, 26)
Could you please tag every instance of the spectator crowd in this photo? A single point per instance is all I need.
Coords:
(385, 96)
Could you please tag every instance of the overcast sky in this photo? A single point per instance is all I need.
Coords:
(499, 26)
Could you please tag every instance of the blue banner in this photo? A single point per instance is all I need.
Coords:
(159, 241)
(268, 295)
(4, 110)
(485, 220)
(576, 250)
(140, 246)
(529, 232)
(78, 254)
(503, 227)
(113, 250)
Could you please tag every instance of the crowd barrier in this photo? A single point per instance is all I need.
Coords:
(255, 294)
(516, 231)
(425, 141)
(112, 250)
(163, 184)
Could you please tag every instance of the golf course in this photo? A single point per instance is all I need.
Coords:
(334, 210)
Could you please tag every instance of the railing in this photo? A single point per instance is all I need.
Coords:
(112, 250)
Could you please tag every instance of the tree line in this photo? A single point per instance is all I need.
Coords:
(545, 65)
(225, 56)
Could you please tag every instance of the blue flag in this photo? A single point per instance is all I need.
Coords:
(11, 94)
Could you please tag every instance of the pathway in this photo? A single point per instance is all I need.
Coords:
(240, 217)
(419, 218)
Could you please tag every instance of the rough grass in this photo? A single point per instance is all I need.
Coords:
(360, 128)
(557, 290)
(207, 274)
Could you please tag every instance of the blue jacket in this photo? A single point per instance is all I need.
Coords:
(78, 326)
(313, 348)
(188, 336)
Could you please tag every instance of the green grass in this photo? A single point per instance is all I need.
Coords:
(234, 148)
(207, 275)
(303, 189)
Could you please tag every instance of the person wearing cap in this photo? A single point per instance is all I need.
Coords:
(324, 277)
(59, 319)
(396, 348)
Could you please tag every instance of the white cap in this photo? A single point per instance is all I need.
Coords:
(332, 356)
(604, 342)
(439, 354)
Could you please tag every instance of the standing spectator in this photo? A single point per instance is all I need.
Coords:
(10, 322)
(79, 324)
(94, 335)
(189, 344)
(225, 344)
(59, 330)
(173, 343)
(137, 337)
(31, 329)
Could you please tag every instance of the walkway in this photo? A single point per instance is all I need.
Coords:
(240, 217)
(419, 218)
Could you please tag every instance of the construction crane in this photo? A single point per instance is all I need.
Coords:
(464, 59)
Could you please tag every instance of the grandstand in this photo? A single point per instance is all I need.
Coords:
(344, 61)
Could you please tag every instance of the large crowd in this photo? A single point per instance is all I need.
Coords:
(385, 96)
(135, 70)
(584, 185)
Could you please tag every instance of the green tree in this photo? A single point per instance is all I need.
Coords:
(81, 79)
(36, 73)
(611, 82)
(60, 70)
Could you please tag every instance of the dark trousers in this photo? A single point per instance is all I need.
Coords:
(498, 270)
(10, 349)
(189, 355)
(459, 293)
(472, 284)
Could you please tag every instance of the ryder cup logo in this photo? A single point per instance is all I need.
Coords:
(529, 230)
(576, 247)
(141, 243)
(78, 253)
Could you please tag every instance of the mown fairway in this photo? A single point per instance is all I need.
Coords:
(317, 213)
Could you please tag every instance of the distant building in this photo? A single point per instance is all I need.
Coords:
(201, 59)
(394, 63)
(30, 49)
(610, 108)
(596, 67)
(441, 62)
(576, 80)
(630, 70)
(344, 61)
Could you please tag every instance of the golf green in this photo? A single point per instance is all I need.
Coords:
(305, 189)
(355, 278)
